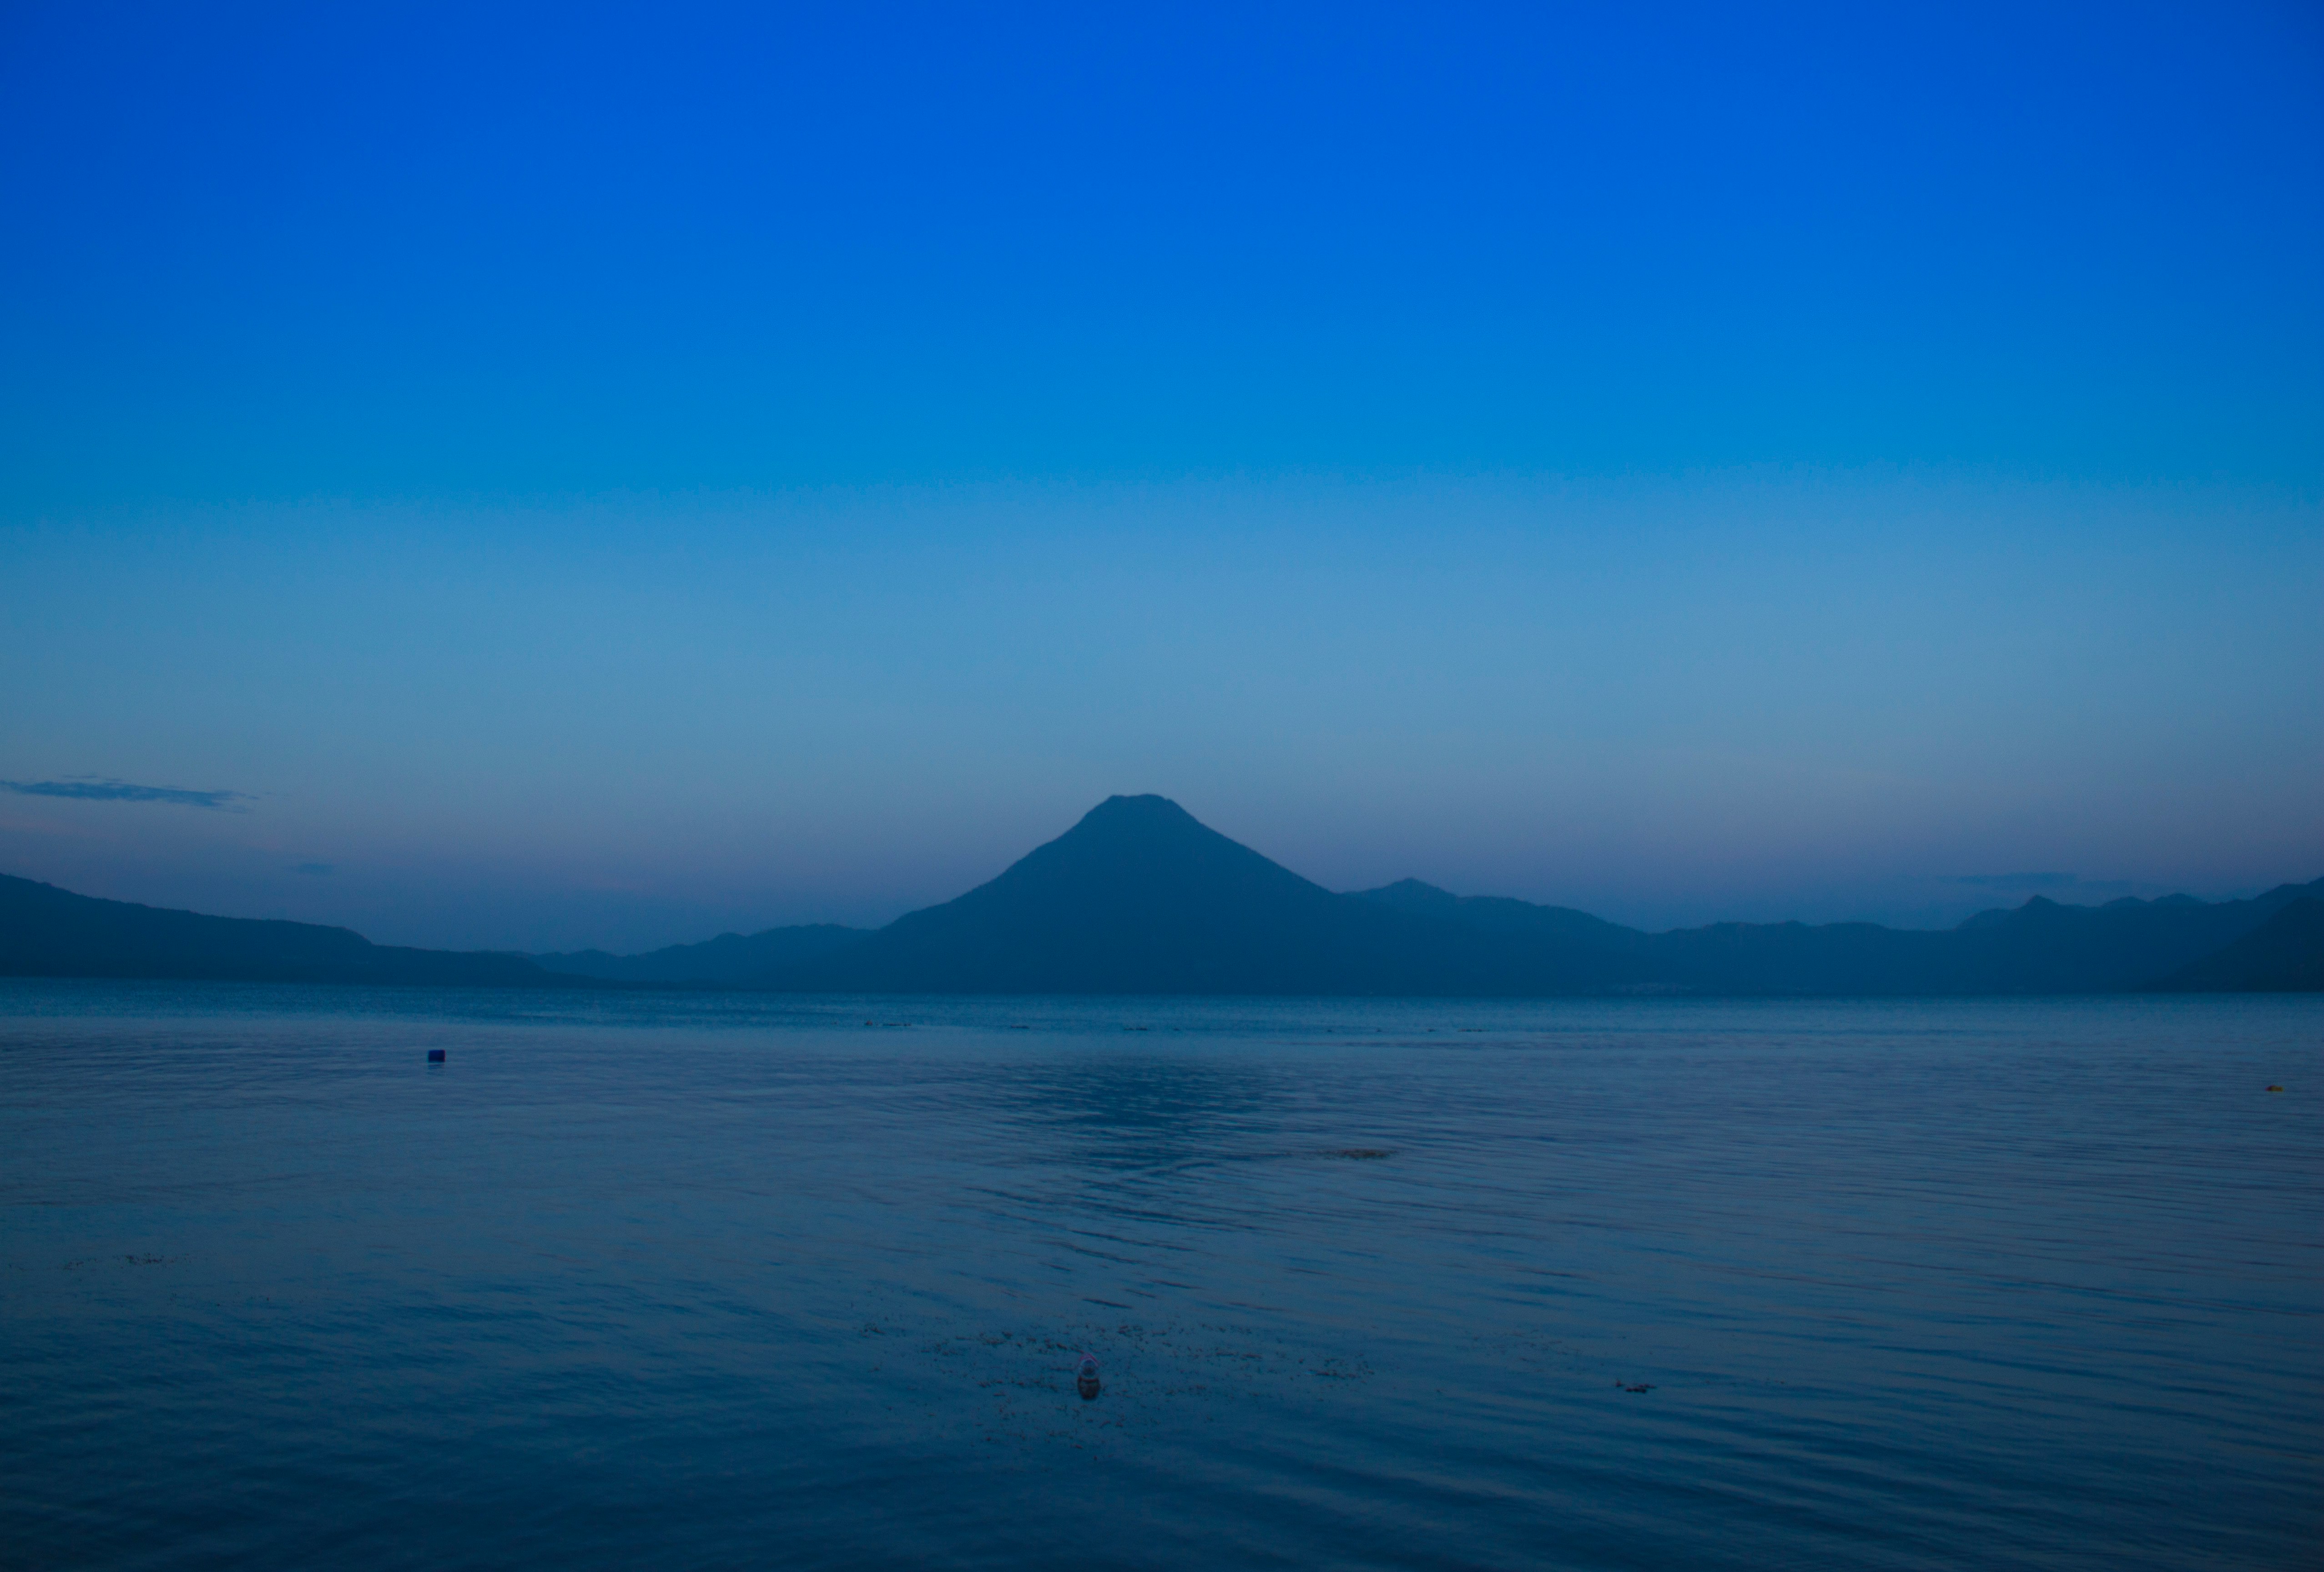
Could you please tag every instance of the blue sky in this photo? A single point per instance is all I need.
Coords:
(607, 475)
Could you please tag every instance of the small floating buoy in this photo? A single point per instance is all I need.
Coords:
(435, 1056)
(1086, 1378)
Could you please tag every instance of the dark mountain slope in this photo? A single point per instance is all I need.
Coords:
(46, 932)
(1795, 958)
(731, 958)
(2043, 947)
(2284, 954)
(1726, 958)
(1502, 914)
(2039, 947)
(1528, 949)
(1140, 898)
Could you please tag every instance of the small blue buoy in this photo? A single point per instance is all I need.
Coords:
(1086, 1378)
(435, 1056)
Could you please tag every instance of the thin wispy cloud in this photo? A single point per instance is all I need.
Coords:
(102, 789)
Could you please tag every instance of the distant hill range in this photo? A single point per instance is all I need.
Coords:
(46, 932)
(729, 959)
(1140, 898)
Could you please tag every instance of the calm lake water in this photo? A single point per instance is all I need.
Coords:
(681, 1281)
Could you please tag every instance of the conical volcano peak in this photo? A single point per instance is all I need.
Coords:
(1123, 824)
(1140, 896)
(1150, 833)
(1144, 809)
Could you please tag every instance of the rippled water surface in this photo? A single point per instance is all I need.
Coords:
(684, 1280)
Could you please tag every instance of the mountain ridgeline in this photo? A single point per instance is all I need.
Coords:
(728, 960)
(1140, 898)
(46, 932)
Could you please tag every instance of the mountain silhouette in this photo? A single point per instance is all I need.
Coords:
(1140, 898)
(2039, 947)
(2284, 954)
(1529, 949)
(729, 959)
(47, 932)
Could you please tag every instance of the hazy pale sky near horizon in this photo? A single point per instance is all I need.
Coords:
(604, 475)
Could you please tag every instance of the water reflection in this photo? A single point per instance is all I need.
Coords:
(1651, 1284)
(1106, 1113)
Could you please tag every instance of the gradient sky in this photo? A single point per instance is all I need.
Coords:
(551, 476)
